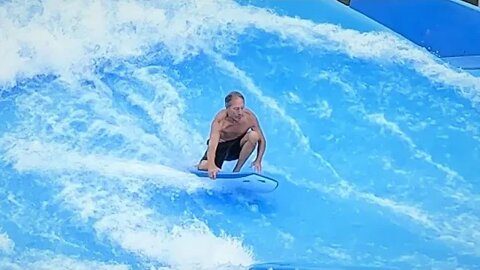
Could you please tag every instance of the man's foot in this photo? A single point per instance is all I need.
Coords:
(203, 165)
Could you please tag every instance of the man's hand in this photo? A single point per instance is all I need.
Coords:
(212, 171)
(257, 165)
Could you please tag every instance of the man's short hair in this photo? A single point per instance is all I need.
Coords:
(231, 95)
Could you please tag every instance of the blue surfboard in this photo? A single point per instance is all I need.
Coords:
(249, 181)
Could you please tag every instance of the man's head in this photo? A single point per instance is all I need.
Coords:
(235, 103)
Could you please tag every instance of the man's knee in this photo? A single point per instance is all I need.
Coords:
(253, 137)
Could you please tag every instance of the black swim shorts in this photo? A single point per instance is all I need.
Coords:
(228, 150)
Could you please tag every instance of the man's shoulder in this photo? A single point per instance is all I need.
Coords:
(220, 116)
(251, 114)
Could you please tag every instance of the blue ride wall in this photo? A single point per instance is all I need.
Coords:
(449, 29)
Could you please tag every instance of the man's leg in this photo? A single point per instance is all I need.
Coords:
(247, 145)
(219, 157)
(203, 165)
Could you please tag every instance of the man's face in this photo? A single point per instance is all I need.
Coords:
(235, 108)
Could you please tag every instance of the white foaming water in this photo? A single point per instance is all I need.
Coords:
(108, 188)
(293, 98)
(451, 231)
(122, 218)
(336, 253)
(166, 111)
(37, 156)
(68, 36)
(6, 244)
(394, 128)
(267, 101)
(271, 104)
(458, 230)
(457, 187)
(41, 260)
(287, 238)
(321, 109)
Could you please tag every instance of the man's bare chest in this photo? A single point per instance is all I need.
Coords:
(232, 131)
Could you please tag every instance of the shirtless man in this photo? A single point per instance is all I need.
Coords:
(234, 133)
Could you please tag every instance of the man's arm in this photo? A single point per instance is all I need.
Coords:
(262, 143)
(213, 141)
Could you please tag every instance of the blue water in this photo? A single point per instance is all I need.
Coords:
(104, 105)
